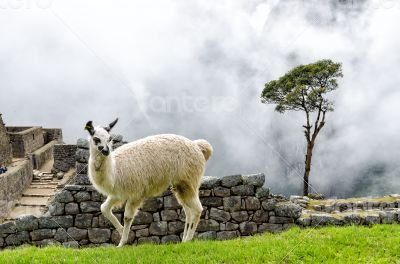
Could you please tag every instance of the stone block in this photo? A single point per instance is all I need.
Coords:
(167, 215)
(240, 216)
(83, 220)
(254, 179)
(82, 196)
(17, 238)
(56, 221)
(61, 235)
(169, 239)
(26, 223)
(204, 193)
(90, 207)
(41, 234)
(262, 192)
(269, 204)
(252, 203)
(7, 228)
(170, 202)
(158, 228)
(209, 182)
(209, 235)
(211, 201)
(229, 226)
(232, 203)
(152, 205)
(56, 208)
(149, 240)
(219, 215)
(99, 235)
(231, 180)
(207, 225)
(243, 190)
(248, 228)
(176, 227)
(82, 179)
(226, 235)
(288, 209)
(222, 191)
(142, 218)
(260, 216)
(71, 209)
(142, 232)
(77, 233)
(273, 228)
(280, 220)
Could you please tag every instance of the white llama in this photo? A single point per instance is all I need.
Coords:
(145, 168)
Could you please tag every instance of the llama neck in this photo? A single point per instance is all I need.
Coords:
(100, 169)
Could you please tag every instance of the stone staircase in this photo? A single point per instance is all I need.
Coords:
(35, 198)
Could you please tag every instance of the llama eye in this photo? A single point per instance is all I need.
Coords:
(109, 140)
(96, 140)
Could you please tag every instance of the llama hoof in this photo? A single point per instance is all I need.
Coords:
(120, 245)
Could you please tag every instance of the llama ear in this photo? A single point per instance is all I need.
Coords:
(89, 127)
(111, 125)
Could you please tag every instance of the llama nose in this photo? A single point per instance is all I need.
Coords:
(100, 148)
(105, 152)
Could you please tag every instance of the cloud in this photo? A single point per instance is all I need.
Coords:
(197, 68)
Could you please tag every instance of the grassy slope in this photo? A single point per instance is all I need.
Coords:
(379, 244)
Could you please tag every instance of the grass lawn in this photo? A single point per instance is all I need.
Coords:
(352, 244)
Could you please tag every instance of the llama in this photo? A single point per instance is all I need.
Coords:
(145, 168)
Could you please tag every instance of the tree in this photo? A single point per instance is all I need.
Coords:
(304, 88)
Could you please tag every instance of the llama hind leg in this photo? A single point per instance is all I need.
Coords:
(190, 201)
(106, 209)
(130, 211)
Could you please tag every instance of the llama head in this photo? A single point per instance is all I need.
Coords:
(100, 137)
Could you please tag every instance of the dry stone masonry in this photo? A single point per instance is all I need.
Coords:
(233, 206)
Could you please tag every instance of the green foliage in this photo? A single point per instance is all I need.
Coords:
(304, 87)
(351, 244)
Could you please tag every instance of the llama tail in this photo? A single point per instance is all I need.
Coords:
(205, 147)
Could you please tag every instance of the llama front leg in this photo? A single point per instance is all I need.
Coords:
(106, 209)
(195, 213)
(187, 221)
(130, 211)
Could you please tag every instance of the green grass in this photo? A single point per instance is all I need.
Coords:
(352, 244)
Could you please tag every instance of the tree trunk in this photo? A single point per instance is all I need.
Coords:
(307, 168)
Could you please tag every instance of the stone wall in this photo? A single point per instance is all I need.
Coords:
(13, 183)
(5, 146)
(51, 134)
(43, 154)
(25, 140)
(233, 206)
(64, 157)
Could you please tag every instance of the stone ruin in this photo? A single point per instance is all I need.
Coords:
(233, 206)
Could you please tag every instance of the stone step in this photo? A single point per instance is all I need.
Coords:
(43, 186)
(38, 192)
(23, 210)
(45, 183)
(33, 201)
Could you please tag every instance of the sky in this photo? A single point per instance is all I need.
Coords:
(197, 68)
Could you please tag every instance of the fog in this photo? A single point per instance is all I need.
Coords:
(197, 68)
